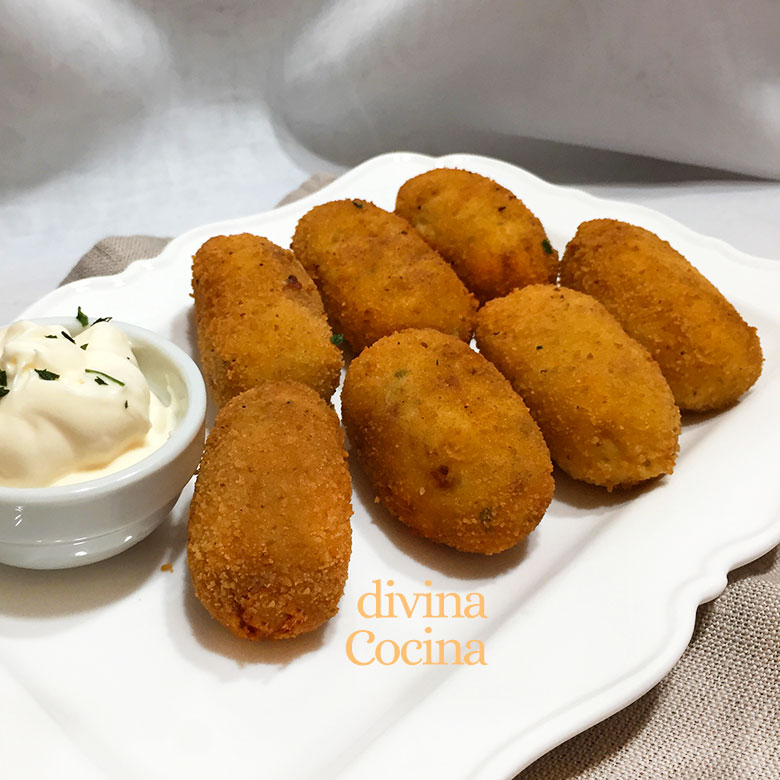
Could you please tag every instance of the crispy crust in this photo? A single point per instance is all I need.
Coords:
(488, 235)
(707, 352)
(600, 399)
(259, 317)
(449, 447)
(269, 533)
(377, 275)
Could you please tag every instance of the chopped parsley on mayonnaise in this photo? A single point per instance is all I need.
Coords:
(73, 408)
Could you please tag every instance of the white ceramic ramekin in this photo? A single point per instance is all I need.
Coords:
(72, 525)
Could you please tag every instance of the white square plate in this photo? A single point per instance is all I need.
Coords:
(116, 670)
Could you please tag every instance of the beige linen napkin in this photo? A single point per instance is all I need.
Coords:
(715, 716)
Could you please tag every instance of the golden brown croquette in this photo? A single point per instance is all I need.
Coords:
(449, 447)
(269, 532)
(488, 235)
(599, 398)
(707, 352)
(377, 275)
(259, 317)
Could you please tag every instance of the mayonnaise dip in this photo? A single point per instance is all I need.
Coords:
(70, 412)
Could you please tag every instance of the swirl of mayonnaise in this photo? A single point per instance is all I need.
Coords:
(71, 412)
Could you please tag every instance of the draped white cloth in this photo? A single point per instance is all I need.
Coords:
(696, 81)
(151, 116)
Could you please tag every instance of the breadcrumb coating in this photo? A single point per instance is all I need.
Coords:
(449, 447)
(488, 235)
(269, 532)
(599, 398)
(259, 317)
(377, 275)
(707, 352)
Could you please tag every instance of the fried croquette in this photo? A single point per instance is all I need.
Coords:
(449, 447)
(269, 532)
(259, 317)
(707, 352)
(488, 235)
(599, 398)
(377, 275)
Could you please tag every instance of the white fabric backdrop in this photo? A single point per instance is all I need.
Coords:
(697, 81)
(152, 116)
